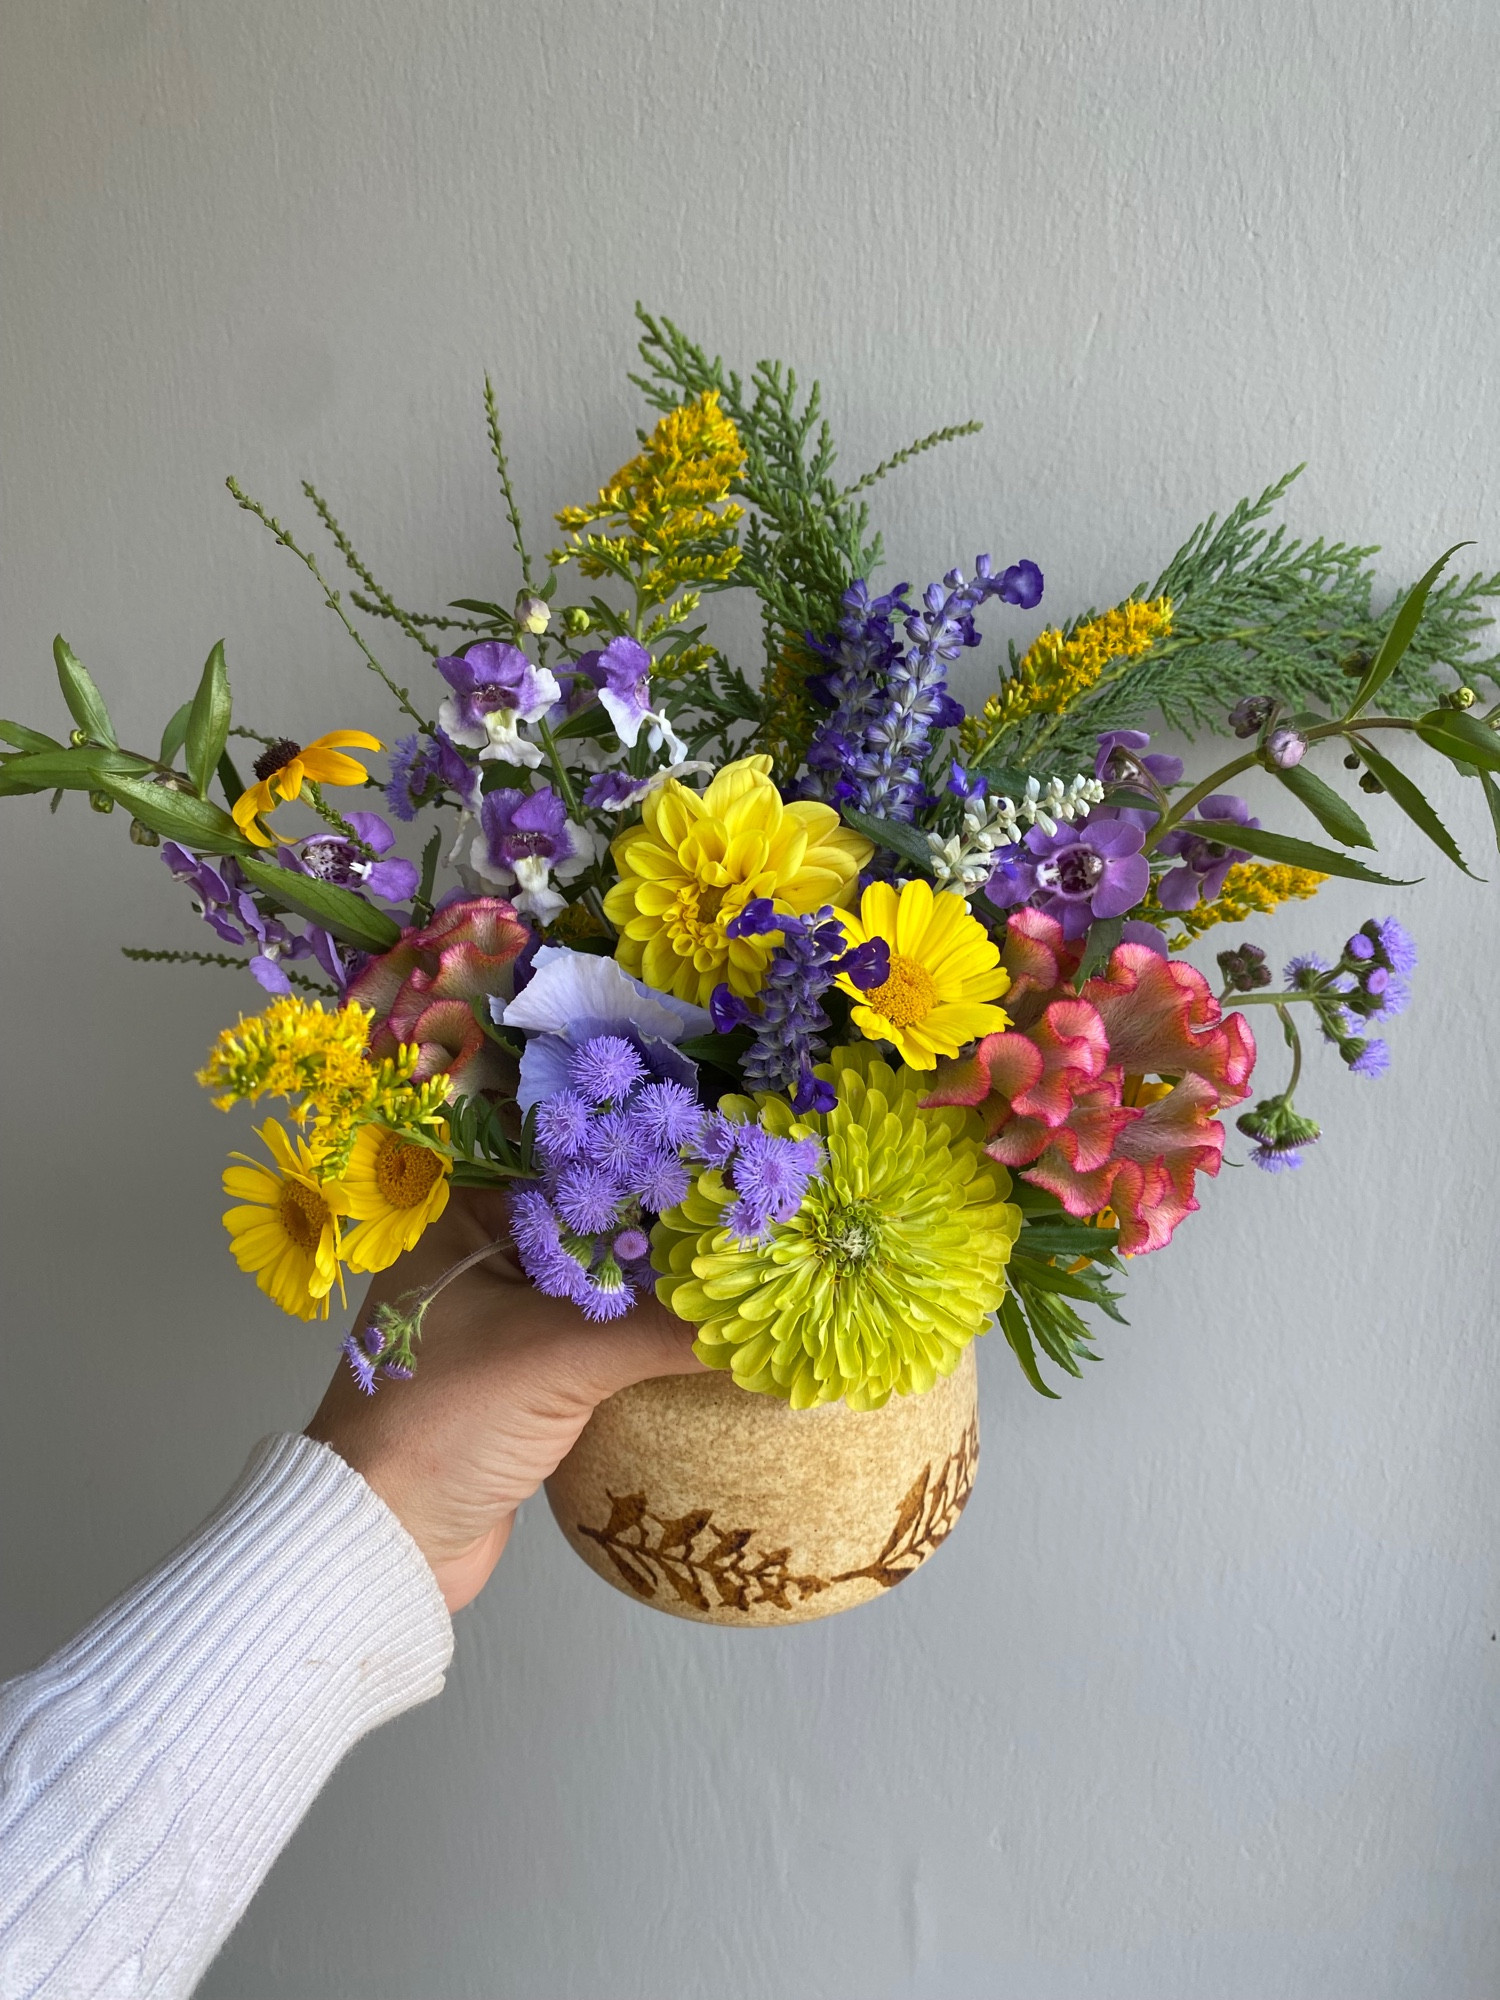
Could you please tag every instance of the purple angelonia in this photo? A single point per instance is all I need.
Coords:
(1121, 750)
(422, 771)
(227, 903)
(525, 838)
(1076, 873)
(495, 689)
(332, 857)
(1205, 854)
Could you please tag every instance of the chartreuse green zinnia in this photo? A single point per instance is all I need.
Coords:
(895, 1260)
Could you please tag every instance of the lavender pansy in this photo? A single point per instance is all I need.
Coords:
(573, 995)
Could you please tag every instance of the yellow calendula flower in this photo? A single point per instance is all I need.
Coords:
(393, 1189)
(945, 972)
(287, 766)
(1058, 667)
(666, 516)
(1251, 889)
(892, 1264)
(694, 863)
(285, 1227)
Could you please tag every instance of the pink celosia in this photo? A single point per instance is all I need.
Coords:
(422, 989)
(1052, 1092)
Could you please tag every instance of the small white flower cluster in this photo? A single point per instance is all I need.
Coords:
(967, 857)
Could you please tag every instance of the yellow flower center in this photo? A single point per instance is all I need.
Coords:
(304, 1214)
(698, 916)
(404, 1173)
(908, 995)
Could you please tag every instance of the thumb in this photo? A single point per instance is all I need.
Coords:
(648, 1342)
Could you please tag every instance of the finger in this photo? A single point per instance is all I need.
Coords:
(647, 1343)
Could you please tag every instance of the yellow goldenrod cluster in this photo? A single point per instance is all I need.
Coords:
(1058, 667)
(1251, 889)
(297, 1050)
(665, 519)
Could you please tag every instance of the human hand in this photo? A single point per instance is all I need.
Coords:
(506, 1379)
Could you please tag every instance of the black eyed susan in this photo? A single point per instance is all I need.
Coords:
(285, 1228)
(282, 771)
(393, 1188)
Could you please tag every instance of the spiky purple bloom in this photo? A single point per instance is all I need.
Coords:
(362, 1350)
(1366, 1058)
(662, 1182)
(1304, 971)
(562, 1124)
(1395, 946)
(887, 700)
(670, 1113)
(587, 1198)
(606, 1067)
(769, 1176)
(422, 771)
(717, 1139)
(1276, 1159)
(789, 1028)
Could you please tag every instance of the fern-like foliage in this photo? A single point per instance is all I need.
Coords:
(1257, 611)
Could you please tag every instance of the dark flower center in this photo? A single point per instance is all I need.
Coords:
(280, 754)
(330, 859)
(1077, 871)
(530, 843)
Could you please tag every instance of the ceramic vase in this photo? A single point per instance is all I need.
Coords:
(700, 1500)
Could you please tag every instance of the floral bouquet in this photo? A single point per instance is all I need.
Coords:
(847, 1023)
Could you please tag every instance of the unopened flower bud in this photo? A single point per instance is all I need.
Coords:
(1463, 697)
(78, 737)
(576, 621)
(101, 802)
(532, 613)
(1351, 762)
(1251, 714)
(1286, 748)
(143, 835)
(1370, 783)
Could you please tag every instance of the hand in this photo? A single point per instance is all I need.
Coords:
(505, 1381)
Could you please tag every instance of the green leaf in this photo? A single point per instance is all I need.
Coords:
(349, 917)
(484, 607)
(85, 703)
(81, 769)
(1304, 854)
(593, 721)
(1492, 800)
(1460, 738)
(208, 721)
(894, 834)
(1013, 1326)
(1402, 632)
(1042, 1277)
(173, 736)
(1056, 1239)
(229, 778)
(206, 828)
(1412, 803)
(27, 739)
(1104, 935)
(1332, 813)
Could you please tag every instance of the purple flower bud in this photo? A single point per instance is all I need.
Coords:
(1286, 748)
(867, 966)
(631, 1245)
(1251, 714)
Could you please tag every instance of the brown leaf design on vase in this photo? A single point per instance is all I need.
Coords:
(708, 1567)
(928, 1516)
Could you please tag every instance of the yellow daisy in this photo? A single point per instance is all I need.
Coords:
(693, 863)
(394, 1188)
(286, 1229)
(945, 969)
(286, 766)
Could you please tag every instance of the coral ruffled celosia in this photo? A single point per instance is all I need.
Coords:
(693, 864)
(893, 1262)
(422, 988)
(1061, 1098)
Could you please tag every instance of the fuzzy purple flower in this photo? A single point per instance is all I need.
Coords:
(770, 1176)
(1366, 1058)
(605, 1068)
(362, 1350)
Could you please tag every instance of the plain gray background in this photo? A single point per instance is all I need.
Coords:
(1201, 1699)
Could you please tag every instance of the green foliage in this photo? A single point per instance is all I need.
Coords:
(1257, 611)
(145, 957)
(207, 729)
(349, 917)
(482, 1149)
(1411, 800)
(1334, 814)
(1268, 846)
(85, 703)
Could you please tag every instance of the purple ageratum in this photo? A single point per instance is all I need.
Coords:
(622, 674)
(331, 857)
(524, 839)
(1074, 874)
(572, 995)
(495, 689)
(888, 702)
(1202, 848)
(769, 1177)
(789, 1028)
(422, 771)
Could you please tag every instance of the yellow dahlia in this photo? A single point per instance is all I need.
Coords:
(393, 1188)
(286, 766)
(693, 863)
(286, 1227)
(945, 970)
(895, 1260)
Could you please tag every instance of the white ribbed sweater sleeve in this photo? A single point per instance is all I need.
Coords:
(152, 1770)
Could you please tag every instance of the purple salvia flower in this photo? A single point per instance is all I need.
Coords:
(789, 1028)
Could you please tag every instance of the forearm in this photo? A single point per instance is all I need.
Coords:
(152, 1770)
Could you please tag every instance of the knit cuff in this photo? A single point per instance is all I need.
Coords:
(151, 1771)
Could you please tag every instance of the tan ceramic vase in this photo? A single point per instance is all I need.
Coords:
(700, 1500)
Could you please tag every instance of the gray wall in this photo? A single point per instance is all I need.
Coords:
(1201, 1699)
